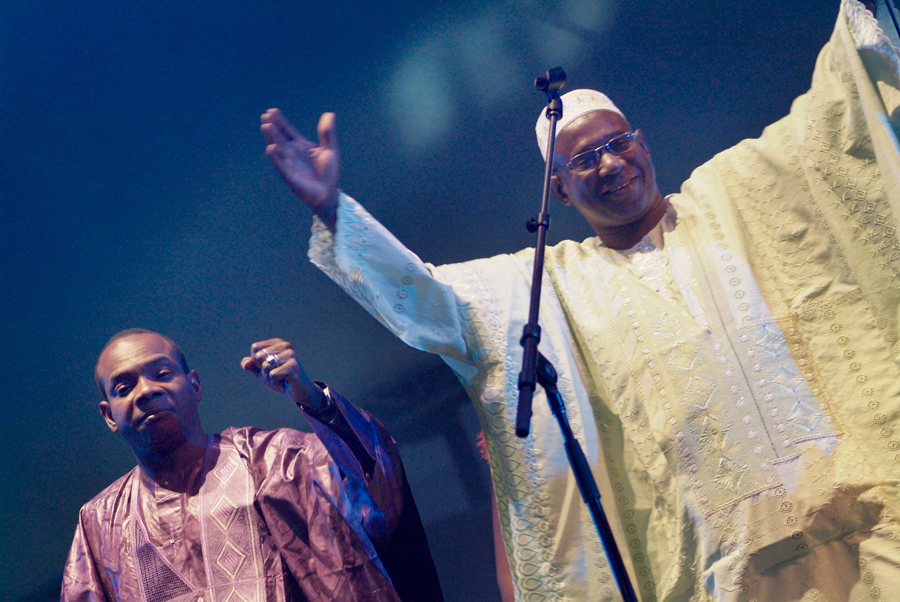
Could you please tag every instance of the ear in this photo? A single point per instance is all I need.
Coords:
(194, 379)
(558, 188)
(639, 136)
(106, 412)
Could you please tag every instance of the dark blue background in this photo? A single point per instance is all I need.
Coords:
(135, 192)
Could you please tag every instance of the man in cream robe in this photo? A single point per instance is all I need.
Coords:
(733, 376)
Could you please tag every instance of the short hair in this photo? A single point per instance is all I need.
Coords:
(182, 361)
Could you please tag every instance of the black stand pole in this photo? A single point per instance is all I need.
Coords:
(552, 83)
(893, 11)
(546, 376)
(535, 367)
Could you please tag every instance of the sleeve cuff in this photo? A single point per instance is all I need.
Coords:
(360, 426)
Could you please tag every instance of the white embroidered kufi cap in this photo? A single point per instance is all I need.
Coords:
(575, 104)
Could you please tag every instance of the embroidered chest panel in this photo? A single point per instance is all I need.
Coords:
(701, 363)
(231, 554)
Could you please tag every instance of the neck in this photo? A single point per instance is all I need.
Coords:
(625, 237)
(159, 465)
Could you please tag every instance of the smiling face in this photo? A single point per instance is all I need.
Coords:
(150, 400)
(620, 190)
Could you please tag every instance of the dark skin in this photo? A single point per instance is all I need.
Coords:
(153, 403)
(619, 197)
(620, 215)
(310, 171)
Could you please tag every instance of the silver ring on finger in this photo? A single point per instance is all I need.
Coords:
(272, 359)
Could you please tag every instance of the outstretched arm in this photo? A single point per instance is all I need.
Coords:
(310, 171)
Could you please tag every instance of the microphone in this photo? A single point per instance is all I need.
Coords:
(554, 79)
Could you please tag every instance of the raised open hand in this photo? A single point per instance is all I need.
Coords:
(309, 170)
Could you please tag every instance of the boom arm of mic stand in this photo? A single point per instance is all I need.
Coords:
(546, 376)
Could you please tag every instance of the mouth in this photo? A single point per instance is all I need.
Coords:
(152, 416)
(624, 185)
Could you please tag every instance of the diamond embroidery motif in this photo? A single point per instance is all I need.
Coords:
(235, 596)
(699, 392)
(224, 512)
(231, 559)
(666, 327)
(682, 356)
(787, 379)
(771, 341)
(805, 416)
(729, 474)
(226, 470)
(712, 431)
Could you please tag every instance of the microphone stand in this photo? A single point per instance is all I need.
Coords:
(537, 370)
(893, 11)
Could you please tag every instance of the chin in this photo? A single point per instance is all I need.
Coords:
(164, 442)
(170, 443)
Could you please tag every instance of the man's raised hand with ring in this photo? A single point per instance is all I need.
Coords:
(274, 361)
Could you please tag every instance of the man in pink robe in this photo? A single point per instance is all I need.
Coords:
(246, 514)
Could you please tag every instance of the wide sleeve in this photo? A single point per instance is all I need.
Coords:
(389, 281)
(332, 522)
(403, 548)
(81, 577)
(382, 500)
(815, 204)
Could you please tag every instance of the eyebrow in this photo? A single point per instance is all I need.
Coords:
(118, 377)
(589, 146)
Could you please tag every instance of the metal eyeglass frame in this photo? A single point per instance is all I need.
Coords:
(591, 158)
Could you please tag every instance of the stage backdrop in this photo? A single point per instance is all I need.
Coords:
(135, 192)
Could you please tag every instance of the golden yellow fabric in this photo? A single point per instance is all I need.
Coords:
(736, 391)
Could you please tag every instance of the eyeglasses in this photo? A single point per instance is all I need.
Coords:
(591, 159)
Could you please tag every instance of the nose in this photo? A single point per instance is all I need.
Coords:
(610, 164)
(147, 390)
